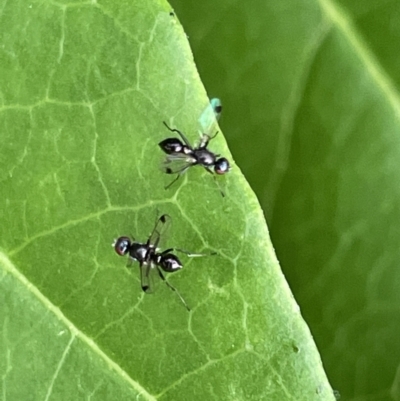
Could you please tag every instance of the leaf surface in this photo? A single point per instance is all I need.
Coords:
(311, 96)
(85, 87)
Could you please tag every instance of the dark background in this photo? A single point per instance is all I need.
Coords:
(311, 115)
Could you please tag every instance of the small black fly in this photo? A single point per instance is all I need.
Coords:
(181, 155)
(149, 256)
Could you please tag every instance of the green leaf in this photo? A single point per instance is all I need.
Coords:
(85, 87)
(311, 95)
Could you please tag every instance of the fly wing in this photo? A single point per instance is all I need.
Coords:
(160, 230)
(208, 119)
(176, 163)
(146, 280)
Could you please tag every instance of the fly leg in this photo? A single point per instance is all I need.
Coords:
(172, 288)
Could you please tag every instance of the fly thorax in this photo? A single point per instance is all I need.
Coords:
(138, 252)
(205, 157)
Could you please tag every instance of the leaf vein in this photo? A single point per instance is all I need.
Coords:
(10, 268)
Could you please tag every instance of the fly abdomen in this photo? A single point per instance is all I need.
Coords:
(169, 263)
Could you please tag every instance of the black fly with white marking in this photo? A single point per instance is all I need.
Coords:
(182, 155)
(149, 256)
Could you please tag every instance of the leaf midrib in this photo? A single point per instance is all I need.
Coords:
(9, 267)
(374, 68)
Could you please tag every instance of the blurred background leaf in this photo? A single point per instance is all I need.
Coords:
(311, 115)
